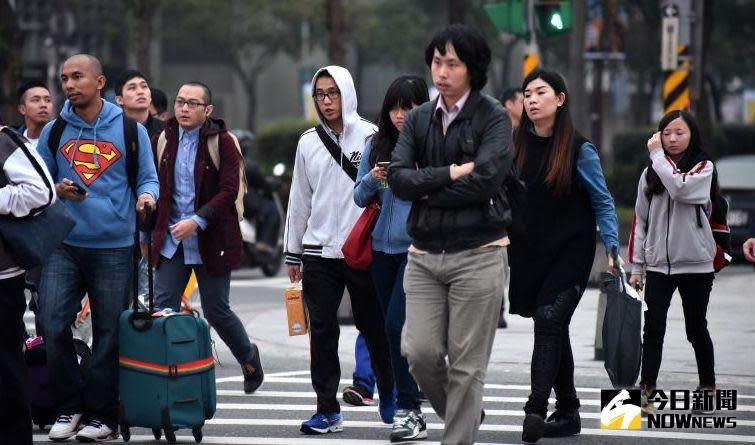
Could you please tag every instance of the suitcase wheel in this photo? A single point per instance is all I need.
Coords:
(125, 429)
(170, 435)
(157, 433)
(197, 432)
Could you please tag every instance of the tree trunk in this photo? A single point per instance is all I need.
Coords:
(456, 11)
(143, 13)
(250, 86)
(336, 35)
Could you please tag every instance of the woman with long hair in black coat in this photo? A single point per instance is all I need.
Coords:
(553, 244)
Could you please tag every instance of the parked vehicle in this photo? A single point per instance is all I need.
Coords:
(262, 226)
(736, 175)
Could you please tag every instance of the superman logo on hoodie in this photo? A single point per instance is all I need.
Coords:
(90, 159)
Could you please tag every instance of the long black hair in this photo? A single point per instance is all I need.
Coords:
(405, 92)
(693, 155)
(561, 161)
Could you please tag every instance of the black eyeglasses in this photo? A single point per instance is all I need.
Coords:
(332, 95)
(193, 104)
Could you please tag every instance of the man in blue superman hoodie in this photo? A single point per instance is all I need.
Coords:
(97, 257)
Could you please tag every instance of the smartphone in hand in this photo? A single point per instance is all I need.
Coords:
(79, 190)
(384, 164)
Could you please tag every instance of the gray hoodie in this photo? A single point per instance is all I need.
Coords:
(321, 209)
(665, 236)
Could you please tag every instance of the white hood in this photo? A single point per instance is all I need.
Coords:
(345, 83)
(321, 208)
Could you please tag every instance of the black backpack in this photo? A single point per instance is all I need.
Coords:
(130, 136)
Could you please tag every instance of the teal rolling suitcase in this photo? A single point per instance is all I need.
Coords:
(166, 371)
(167, 376)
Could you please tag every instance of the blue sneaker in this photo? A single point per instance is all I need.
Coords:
(323, 423)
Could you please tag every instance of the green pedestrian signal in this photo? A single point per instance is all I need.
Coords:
(554, 16)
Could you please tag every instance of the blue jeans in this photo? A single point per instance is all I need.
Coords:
(388, 275)
(170, 281)
(104, 275)
(363, 375)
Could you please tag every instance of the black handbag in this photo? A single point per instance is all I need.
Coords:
(29, 240)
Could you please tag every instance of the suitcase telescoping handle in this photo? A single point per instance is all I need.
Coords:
(139, 320)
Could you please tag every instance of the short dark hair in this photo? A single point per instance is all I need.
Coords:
(469, 45)
(26, 86)
(125, 77)
(510, 94)
(159, 100)
(322, 73)
(207, 92)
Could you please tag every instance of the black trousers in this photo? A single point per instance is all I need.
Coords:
(552, 360)
(323, 285)
(695, 292)
(15, 417)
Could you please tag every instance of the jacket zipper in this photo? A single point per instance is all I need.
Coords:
(442, 153)
(390, 223)
(668, 224)
(338, 210)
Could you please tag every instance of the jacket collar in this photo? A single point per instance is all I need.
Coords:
(466, 113)
(210, 127)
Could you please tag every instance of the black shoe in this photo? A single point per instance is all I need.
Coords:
(532, 428)
(253, 374)
(502, 322)
(422, 397)
(563, 424)
(482, 416)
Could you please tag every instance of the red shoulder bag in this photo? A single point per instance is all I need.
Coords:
(357, 249)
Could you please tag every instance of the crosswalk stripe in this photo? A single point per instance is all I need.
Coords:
(305, 440)
(281, 378)
(373, 409)
(312, 395)
(509, 428)
(276, 283)
(272, 377)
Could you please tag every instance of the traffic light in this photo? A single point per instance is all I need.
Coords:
(553, 16)
(509, 16)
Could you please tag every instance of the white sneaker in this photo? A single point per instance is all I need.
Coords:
(96, 431)
(65, 427)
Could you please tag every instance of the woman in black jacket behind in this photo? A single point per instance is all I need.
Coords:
(553, 244)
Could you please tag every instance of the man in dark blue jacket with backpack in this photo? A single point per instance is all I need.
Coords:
(104, 171)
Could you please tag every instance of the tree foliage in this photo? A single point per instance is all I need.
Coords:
(242, 34)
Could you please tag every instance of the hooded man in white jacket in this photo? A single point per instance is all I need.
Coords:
(321, 213)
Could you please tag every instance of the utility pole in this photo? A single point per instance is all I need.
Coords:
(577, 66)
(676, 60)
(698, 73)
(532, 55)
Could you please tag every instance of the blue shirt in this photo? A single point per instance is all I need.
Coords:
(182, 205)
(389, 235)
(591, 173)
